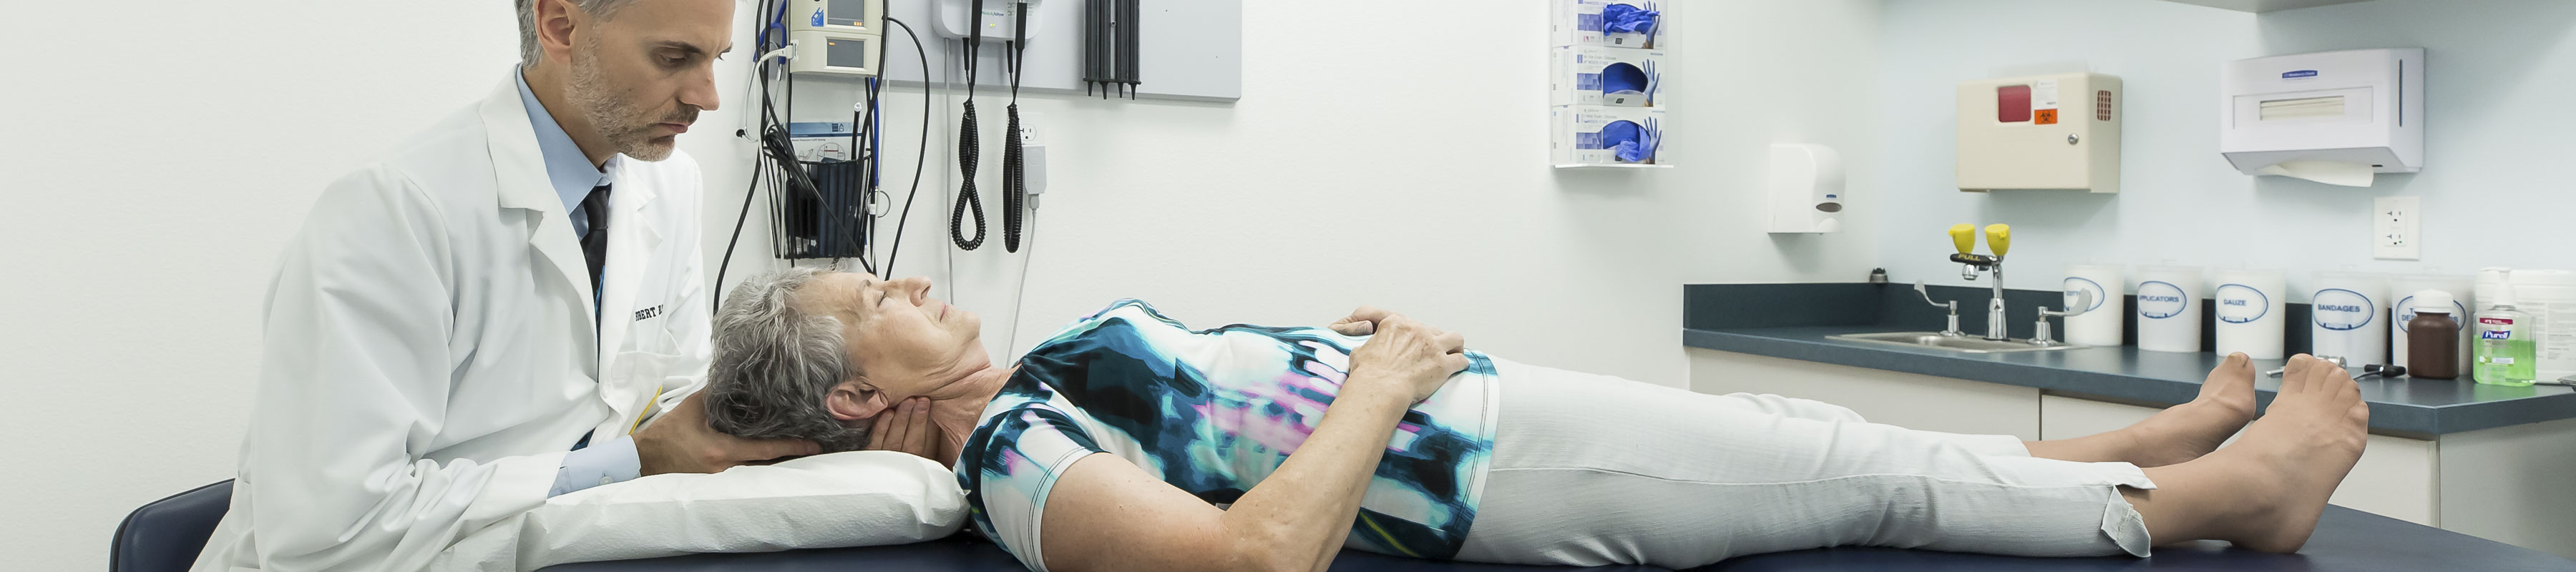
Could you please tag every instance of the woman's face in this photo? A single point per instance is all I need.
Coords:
(903, 342)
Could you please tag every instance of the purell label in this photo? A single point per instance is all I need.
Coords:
(2239, 304)
(2495, 334)
(2344, 310)
(2158, 300)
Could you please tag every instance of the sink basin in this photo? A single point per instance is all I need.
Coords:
(1963, 344)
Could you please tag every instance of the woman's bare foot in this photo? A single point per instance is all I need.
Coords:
(2185, 432)
(2296, 455)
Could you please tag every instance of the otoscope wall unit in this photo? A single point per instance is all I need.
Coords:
(1183, 49)
(836, 37)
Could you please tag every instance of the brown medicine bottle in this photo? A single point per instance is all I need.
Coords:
(2433, 337)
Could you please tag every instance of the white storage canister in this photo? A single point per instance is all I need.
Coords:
(2248, 306)
(2100, 323)
(2169, 308)
(2346, 310)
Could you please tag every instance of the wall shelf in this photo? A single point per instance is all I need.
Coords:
(2261, 6)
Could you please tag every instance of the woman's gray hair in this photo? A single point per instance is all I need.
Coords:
(775, 363)
(529, 53)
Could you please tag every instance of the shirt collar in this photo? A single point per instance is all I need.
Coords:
(566, 167)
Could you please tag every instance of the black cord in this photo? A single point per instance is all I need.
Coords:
(969, 144)
(1015, 185)
(918, 159)
(761, 71)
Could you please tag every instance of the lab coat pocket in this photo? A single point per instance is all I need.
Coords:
(634, 385)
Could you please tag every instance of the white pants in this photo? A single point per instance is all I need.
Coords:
(1595, 470)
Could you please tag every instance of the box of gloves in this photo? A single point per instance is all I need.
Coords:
(1612, 23)
(1606, 136)
(1620, 77)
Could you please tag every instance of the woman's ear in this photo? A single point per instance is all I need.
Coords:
(852, 401)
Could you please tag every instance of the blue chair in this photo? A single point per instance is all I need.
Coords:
(167, 534)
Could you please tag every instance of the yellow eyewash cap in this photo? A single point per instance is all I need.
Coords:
(1999, 238)
(1964, 236)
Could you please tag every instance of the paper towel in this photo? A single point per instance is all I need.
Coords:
(2347, 317)
(2248, 304)
(2100, 323)
(2328, 172)
(2169, 309)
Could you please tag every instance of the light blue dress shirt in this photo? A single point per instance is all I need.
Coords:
(570, 171)
(573, 176)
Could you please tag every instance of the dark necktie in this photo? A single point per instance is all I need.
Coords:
(594, 249)
(594, 245)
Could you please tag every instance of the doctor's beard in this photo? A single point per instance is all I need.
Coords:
(614, 112)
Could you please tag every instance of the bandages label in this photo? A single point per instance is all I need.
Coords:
(2343, 310)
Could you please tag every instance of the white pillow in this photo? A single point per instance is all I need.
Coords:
(857, 498)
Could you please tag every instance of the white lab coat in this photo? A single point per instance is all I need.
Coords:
(430, 355)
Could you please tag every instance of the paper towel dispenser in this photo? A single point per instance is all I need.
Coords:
(2332, 117)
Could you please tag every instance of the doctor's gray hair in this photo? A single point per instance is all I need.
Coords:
(529, 53)
(775, 362)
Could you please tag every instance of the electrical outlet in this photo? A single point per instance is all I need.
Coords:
(2397, 228)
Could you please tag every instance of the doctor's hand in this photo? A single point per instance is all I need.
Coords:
(905, 428)
(681, 442)
(1406, 352)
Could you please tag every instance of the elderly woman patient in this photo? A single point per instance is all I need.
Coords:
(1128, 441)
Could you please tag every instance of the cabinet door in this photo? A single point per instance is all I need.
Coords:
(2395, 477)
(1902, 399)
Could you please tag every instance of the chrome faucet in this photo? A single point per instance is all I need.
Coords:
(1993, 265)
(1952, 306)
(2041, 336)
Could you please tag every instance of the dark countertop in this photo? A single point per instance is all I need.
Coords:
(2400, 406)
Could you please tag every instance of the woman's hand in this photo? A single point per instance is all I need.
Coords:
(1401, 350)
(1362, 321)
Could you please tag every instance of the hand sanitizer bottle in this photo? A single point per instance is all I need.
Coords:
(2506, 355)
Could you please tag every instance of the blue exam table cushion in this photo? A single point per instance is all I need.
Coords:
(2346, 540)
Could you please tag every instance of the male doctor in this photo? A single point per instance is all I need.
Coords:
(485, 318)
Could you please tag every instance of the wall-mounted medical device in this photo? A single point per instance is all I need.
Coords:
(836, 37)
(1806, 189)
(1603, 136)
(2057, 131)
(957, 16)
(1587, 75)
(2332, 117)
(1612, 23)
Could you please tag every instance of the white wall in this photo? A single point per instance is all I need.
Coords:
(2496, 88)
(154, 166)
(144, 205)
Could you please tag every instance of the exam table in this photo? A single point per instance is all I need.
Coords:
(165, 536)
(2346, 540)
